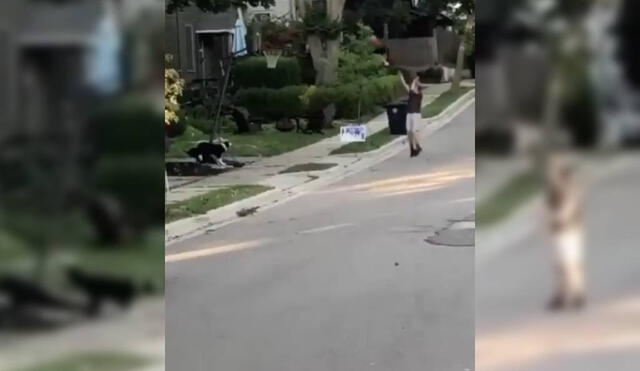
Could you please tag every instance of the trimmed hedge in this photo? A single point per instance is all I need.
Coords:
(136, 181)
(127, 126)
(272, 104)
(253, 73)
(275, 104)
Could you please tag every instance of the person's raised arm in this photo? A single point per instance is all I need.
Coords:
(404, 83)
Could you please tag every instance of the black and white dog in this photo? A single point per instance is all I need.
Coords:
(210, 153)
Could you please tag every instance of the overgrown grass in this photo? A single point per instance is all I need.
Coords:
(307, 167)
(93, 362)
(212, 200)
(373, 142)
(503, 203)
(266, 143)
(443, 101)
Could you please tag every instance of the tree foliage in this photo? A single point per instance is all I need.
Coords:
(215, 6)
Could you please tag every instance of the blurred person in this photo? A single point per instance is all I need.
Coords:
(414, 112)
(565, 204)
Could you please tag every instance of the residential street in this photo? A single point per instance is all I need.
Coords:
(515, 332)
(340, 278)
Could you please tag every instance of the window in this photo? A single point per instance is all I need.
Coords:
(189, 47)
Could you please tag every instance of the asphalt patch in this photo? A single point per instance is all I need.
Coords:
(453, 237)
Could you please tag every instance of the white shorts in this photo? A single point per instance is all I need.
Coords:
(413, 119)
(569, 246)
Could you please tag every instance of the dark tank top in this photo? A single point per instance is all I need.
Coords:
(415, 102)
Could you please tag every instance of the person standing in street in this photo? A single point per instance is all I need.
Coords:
(414, 112)
(567, 232)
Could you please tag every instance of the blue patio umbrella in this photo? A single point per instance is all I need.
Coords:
(239, 37)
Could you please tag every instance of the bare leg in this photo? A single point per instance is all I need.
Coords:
(411, 138)
(559, 298)
(576, 282)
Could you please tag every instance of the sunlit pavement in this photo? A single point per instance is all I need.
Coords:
(515, 332)
(338, 279)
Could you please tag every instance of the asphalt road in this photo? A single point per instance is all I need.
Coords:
(337, 279)
(514, 330)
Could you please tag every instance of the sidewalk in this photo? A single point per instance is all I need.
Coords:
(264, 171)
(288, 186)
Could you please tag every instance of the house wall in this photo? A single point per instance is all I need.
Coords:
(181, 38)
(8, 65)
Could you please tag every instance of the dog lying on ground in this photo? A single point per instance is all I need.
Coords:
(210, 153)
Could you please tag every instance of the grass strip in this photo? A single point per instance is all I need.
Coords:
(443, 101)
(373, 142)
(103, 361)
(509, 198)
(211, 200)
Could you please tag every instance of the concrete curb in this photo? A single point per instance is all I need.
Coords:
(190, 227)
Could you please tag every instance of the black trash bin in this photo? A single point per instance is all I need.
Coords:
(397, 115)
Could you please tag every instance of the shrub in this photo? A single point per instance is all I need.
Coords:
(294, 101)
(136, 182)
(127, 126)
(202, 124)
(253, 73)
(357, 58)
(370, 95)
(273, 104)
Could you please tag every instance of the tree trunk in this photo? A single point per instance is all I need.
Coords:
(318, 58)
(330, 74)
(457, 76)
(325, 54)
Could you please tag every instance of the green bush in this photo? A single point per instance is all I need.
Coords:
(127, 126)
(137, 182)
(372, 94)
(272, 104)
(202, 124)
(294, 101)
(253, 73)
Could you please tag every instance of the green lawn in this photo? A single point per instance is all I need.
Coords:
(503, 203)
(93, 362)
(443, 101)
(211, 200)
(185, 142)
(10, 249)
(141, 261)
(268, 142)
(307, 167)
(373, 142)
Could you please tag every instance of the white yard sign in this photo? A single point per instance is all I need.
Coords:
(353, 133)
